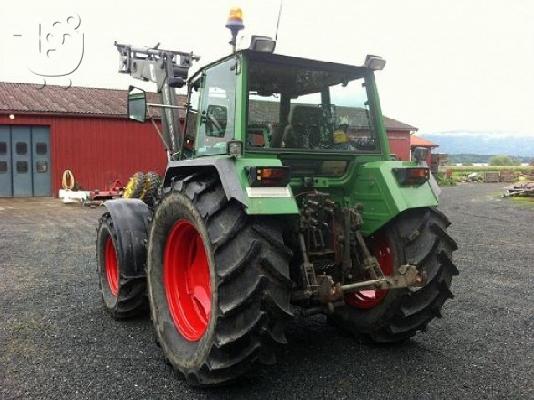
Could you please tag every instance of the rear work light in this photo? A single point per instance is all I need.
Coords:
(268, 176)
(412, 176)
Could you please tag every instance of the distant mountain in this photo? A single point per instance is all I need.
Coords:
(482, 143)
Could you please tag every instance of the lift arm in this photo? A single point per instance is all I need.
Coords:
(169, 70)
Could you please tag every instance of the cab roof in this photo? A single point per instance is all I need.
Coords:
(350, 71)
(304, 62)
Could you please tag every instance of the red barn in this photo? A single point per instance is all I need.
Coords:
(47, 130)
(399, 138)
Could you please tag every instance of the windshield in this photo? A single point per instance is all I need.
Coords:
(295, 108)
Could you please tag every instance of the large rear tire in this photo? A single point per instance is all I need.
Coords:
(123, 290)
(223, 304)
(416, 237)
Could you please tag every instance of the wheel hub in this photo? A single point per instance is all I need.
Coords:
(370, 298)
(111, 266)
(186, 277)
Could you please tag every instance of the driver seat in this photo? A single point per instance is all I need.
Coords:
(304, 127)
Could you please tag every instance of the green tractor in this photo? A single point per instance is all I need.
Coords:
(280, 198)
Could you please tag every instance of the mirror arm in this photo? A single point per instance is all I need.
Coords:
(166, 106)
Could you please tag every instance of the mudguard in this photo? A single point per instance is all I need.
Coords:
(224, 166)
(233, 176)
(130, 222)
(375, 187)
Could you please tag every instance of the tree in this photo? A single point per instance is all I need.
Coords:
(502, 161)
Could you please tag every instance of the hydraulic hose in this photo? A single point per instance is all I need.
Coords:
(68, 181)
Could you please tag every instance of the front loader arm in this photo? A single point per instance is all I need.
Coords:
(169, 70)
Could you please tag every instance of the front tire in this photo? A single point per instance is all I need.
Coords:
(416, 237)
(123, 290)
(232, 316)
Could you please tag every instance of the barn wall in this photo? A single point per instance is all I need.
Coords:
(399, 144)
(98, 150)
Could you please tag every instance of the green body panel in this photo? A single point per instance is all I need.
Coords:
(377, 189)
(263, 205)
(370, 184)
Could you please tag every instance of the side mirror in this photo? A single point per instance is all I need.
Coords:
(136, 104)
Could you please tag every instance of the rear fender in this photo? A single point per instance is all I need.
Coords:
(130, 223)
(383, 198)
(233, 176)
(224, 168)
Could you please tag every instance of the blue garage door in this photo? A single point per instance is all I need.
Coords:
(6, 175)
(24, 161)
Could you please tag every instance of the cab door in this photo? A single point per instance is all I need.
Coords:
(217, 108)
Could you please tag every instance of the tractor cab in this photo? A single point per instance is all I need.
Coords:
(267, 103)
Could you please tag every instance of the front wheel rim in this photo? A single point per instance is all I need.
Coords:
(111, 266)
(367, 299)
(186, 277)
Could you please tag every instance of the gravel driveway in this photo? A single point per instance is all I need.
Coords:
(56, 342)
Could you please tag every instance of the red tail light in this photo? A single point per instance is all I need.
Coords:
(268, 176)
(414, 176)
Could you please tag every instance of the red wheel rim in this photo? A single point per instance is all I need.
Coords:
(186, 277)
(366, 299)
(112, 266)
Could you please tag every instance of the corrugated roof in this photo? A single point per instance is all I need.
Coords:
(98, 102)
(52, 99)
(419, 141)
(396, 125)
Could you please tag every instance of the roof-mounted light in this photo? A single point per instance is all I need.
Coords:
(235, 24)
(236, 14)
(264, 44)
(376, 63)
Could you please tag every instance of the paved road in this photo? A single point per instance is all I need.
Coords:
(57, 343)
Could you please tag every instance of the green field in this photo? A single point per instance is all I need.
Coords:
(459, 173)
(461, 170)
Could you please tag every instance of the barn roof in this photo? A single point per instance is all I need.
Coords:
(419, 141)
(396, 125)
(28, 98)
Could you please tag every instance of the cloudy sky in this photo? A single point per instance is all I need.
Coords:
(451, 65)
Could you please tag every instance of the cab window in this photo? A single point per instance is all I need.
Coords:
(217, 109)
